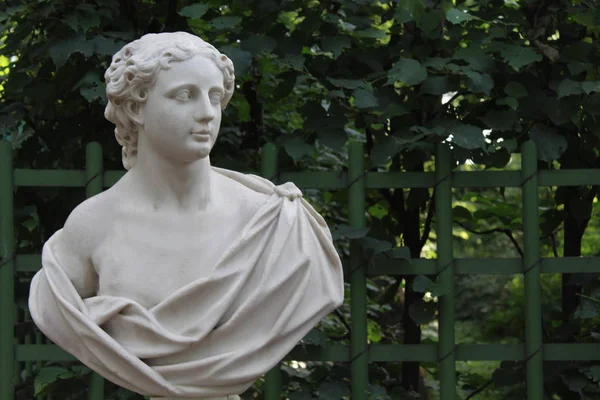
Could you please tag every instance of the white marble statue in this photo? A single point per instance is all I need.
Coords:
(183, 280)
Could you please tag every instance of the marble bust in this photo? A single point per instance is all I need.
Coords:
(183, 280)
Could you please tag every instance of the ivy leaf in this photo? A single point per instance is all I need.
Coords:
(550, 144)
(315, 337)
(298, 148)
(346, 83)
(467, 136)
(569, 87)
(364, 98)
(422, 312)
(479, 83)
(458, 16)
(408, 71)
(225, 22)
(519, 56)
(516, 90)
(373, 331)
(194, 11)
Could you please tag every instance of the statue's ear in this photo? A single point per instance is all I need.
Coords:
(135, 111)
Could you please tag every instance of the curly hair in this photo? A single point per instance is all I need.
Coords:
(134, 70)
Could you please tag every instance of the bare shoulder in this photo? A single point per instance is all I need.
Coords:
(241, 196)
(88, 223)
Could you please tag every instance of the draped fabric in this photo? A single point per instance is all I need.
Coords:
(215, 336)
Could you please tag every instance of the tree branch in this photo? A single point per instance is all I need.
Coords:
(507, 232)
(428, 220)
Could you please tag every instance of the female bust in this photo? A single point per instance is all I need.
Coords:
(183, 280)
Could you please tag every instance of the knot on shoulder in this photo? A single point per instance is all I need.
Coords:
(288, 190)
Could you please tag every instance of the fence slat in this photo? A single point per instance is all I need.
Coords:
(269, 171)
(531, 272)
(445, 269)
(359, 357)
(93, 186)
(7, 274)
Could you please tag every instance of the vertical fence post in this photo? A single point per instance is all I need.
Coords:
(7, 274)
(445, 268)
(359, 361)
(94, 179)
(531, 272)
(269, 170)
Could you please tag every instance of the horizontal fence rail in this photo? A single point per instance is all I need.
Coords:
(358, 353)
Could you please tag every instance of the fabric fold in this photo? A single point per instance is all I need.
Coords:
(216, 335)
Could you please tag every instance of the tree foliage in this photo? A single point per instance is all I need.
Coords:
(400, 76)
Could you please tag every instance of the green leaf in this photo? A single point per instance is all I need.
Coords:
(467, 136)
(508, 101)
(194, 11)
(477, 59)
(349, 232)
(241, 59)
(590, 86)
(225, 22)
(550, 144)
(479, 83)
(458, 16)
(408, 71)
(422, 312)
(435, 62)
(384, 150)
(347, 83)
(436, 85)
(516, 90)
(333, 391)
(568, 87)
(519, 56)
(371, 33)
(315, 337)
(336, 44)
(423, 284)
(461, 213)
(414, 8)
(500, 120)
(364, 98)
(48, 376)
(257, 44)
(334, 138)
(61, 51)
(402, 253)
(298, 148)
(91, 87)
(373, 331)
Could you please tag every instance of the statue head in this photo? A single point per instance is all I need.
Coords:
(134, 71)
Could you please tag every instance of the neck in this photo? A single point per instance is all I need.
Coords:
(172, 186)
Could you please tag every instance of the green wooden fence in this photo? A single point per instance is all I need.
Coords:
(14, 354)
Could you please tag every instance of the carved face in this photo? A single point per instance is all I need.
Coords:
(182, 115)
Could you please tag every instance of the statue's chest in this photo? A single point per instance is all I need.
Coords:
(146, 260)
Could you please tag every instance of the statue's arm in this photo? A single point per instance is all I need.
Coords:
(74, 249)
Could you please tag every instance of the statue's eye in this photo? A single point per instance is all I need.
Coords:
(216, 98)
(184, 95)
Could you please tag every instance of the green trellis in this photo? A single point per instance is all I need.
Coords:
(15, 354)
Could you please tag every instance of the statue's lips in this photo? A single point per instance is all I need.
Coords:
(201, 135)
